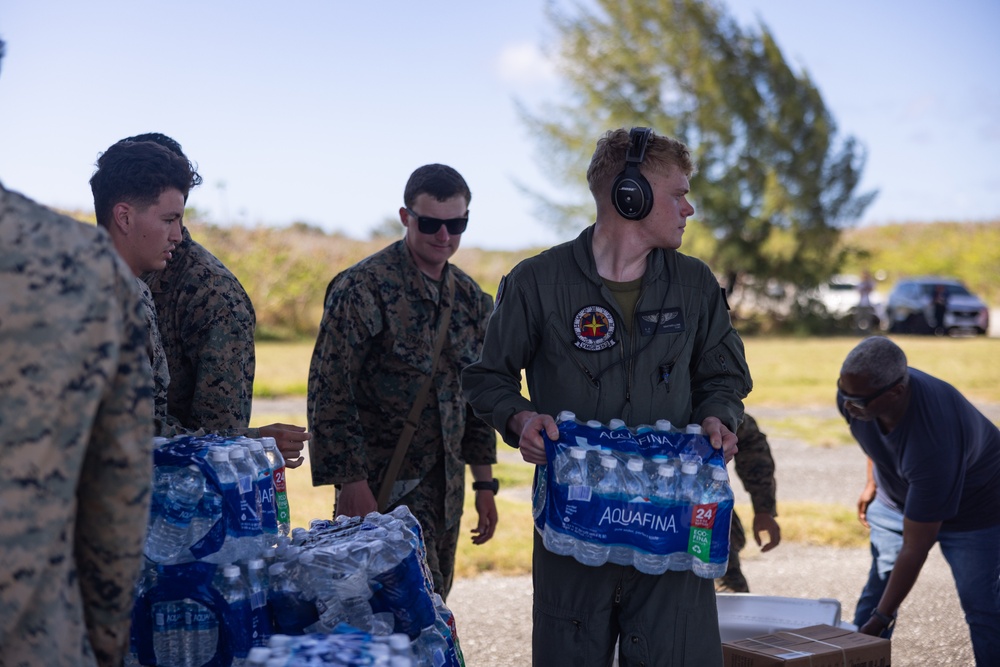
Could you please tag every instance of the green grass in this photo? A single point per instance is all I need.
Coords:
(788, 373)
(816, 431)
(282, 368)
(799, 372)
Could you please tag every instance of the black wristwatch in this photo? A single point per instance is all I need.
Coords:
(492, 485)
(886, 621)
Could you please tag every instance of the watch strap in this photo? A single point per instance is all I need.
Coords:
(492, 485)
(884, 619)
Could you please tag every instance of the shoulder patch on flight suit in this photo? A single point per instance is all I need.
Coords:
(594, 327)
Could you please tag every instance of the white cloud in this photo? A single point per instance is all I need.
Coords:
(524, 64)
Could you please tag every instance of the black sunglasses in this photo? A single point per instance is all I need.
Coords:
(862, 402)
(432, 225)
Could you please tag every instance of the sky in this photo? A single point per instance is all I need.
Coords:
(319, 110)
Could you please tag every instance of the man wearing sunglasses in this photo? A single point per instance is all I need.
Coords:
(935, 458)
(389, 322)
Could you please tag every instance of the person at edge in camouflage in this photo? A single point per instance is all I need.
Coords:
(374, 350)
(755, 468)
(206, 323)
(76, 440)
(616, 324)
(140, 189)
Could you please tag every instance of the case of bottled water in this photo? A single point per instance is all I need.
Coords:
(225, 578)
(652, 496)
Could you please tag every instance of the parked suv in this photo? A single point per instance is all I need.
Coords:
(910, 307)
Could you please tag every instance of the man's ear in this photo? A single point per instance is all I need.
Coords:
(121, 217)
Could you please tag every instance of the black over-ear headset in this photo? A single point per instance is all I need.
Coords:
(631, 193)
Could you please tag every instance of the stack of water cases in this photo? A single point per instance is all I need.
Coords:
(226, 582)
(651, 496)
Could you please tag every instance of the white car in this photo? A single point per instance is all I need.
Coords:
(841, 296)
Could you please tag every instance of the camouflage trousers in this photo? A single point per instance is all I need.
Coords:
(426, 503)
(733, 580)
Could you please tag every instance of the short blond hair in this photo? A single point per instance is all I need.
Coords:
(662, 155)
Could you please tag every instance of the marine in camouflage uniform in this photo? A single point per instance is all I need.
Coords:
(373, 352)
(206, 322)
(75, 440)
(755, 468)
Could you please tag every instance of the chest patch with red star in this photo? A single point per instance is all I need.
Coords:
(594, 327)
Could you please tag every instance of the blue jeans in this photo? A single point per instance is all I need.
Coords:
(886, 539)
(974, 559)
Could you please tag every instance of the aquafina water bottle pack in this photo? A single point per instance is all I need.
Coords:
(652, 496)
(224, 575)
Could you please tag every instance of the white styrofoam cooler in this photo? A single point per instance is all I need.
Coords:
(743, 615)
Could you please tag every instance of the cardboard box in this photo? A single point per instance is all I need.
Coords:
(813, 646)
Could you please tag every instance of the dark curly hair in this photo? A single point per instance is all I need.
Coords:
(138, 172)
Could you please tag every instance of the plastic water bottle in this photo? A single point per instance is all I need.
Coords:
(565, 416)
(717, 492)
(610, 484)
(571, 467)
(248, 545)
(430, 648)
(203, 627)
(234, 590)
(168, 534)
(143, 585)
(663, 426)
(277, 462)
(291, 611)
(571, 472)
(663, 489)
(218, 458)
(168, 630)
(689, 491)
(663, 493)
(634, 479)
(265, 485)
(343, 571)
(260, 614)
(693, 429)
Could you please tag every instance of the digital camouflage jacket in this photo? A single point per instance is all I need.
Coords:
(76, 430)
(206, 323)
(373, 352)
